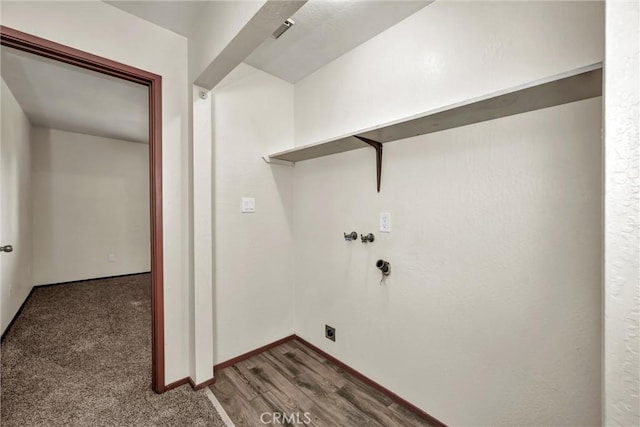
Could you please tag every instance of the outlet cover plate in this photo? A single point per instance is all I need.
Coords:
(385, 222)
(248, 205)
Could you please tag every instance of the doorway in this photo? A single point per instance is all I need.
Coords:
(45, 48)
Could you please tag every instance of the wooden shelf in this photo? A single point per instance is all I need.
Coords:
(576, 85)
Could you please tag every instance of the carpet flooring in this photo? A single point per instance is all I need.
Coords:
(79, 354)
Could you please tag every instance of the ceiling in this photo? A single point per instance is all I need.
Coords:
(324, 29)
(176, 16)
(61, 96)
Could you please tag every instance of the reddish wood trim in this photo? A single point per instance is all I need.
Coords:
(252, 353)
(202, 384)
(189, 380)
(90, 279)
(157, 253)
(230, 362)
(400, 401)
(42, 47)
(178, 383)
(59, 52)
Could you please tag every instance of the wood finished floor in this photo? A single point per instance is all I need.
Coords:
(291, 378)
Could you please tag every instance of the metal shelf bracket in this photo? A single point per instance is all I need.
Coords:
(378, 148)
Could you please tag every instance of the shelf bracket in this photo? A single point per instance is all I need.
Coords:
(378, 147)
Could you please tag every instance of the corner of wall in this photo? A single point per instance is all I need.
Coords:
(621, 349)
(16, 224)
(253, 115)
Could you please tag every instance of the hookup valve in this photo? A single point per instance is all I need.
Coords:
(351, 236)
(368, 238)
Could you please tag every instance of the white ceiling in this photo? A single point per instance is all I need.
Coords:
(176, 16)
(325, 30)
(61, 96)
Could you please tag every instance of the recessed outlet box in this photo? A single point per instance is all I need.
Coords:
(329, 332)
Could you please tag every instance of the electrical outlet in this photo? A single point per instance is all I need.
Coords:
(385, 222)
(112, 258)
(329, 332)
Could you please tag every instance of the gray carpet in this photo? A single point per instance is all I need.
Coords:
(79, 354)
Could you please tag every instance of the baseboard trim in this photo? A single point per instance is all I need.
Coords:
(202, 384)
(15, 316)
(251, 353)
(189, 380)
(399, 400)
(226, 364)
(46, 285)
(176, 384)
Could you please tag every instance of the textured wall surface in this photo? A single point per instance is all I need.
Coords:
(15, 207)
(253, 293)
(492, 315)
(622, 216)
(203, 235)
(448, 52)
(90, 198)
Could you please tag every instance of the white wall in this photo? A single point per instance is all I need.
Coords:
(101, 29)
(203, 237)
(90, 198)
(621, 355)
(448, 52)
(492, 313)
(253, 115)
(15, 211)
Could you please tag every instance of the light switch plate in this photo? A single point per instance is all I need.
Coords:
(248, 205)
(385, 222)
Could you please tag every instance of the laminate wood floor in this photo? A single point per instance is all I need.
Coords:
(292, 379)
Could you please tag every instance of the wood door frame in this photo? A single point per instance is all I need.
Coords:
(42, 47)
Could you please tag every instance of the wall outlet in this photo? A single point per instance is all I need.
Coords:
(329, 332)
(385, 222)
(248, 205)
(112, 258)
